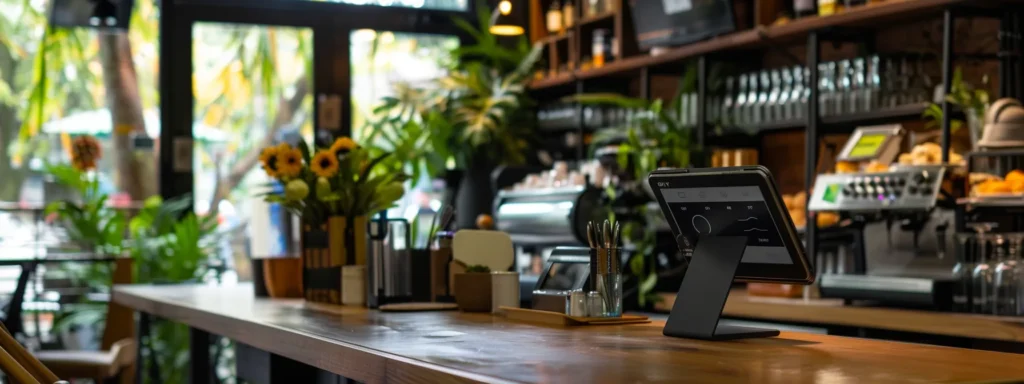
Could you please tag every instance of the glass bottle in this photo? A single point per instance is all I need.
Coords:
(597, 50)
(827, 7)
(740, 112)
(801, 93)
(981, 277)
(785, 91)
(804, 8)
(857, 86)
(594, 7)
(873, 83)
(763, 109)
(1008, 280)
(826, 88)
(753, 111)
(554, 18)
(843, 82)
(962, 273)
(568, 14)
(727, 102)
(775, 87)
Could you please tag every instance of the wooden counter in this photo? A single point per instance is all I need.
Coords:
(374, 347)
(829, 312)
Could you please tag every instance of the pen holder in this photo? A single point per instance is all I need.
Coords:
(608, 280)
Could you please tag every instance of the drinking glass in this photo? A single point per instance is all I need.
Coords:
(753, 113)
(965, 263)
(1007, 280)
(728, 101)
(774, 108)
(826, 88)
(740, 111)
(857, 86)
(982, 276)
(873, 83)
(785, 95)
(761, 114)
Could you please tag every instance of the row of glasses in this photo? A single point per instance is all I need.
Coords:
(850, 86)
(989, 273)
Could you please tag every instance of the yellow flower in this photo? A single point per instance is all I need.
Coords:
(85, 150)
(343, 146)
(289, 162)
(324, 164)
(269, 160)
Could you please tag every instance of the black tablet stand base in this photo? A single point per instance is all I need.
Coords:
(704, 290)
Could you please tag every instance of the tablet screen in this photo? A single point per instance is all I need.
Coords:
(727, 211)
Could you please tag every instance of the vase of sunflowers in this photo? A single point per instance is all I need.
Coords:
(333, 190)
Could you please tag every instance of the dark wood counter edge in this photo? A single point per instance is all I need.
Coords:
(832, 313)
(348, 360)
(766, 36)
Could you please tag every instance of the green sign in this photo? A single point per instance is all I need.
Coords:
(831, 193)
(868, 145)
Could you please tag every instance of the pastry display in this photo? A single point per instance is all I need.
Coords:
(796, 204)
(983, 184)
(929, 154)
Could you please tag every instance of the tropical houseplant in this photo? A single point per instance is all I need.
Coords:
(465, 123)
(650, 138)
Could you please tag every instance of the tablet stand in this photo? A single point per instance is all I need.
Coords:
(704, 290)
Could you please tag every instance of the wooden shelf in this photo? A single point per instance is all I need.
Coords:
(864, 16)
(556, 38)
(560, 79)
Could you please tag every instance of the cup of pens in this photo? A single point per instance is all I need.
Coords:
(604, 298)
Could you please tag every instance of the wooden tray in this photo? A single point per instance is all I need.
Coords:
(555, 318)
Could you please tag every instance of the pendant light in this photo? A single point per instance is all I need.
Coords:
(501, 23)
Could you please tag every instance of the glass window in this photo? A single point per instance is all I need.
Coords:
(253, 88)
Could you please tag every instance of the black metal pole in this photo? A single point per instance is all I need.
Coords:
(811, 138)
(1004, 59)
(199, 352)
(947, 79)
(645, 83)
(702, 100)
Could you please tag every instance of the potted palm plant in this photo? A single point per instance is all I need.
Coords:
(467, 122)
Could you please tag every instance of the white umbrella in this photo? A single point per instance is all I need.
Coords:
(98, 123)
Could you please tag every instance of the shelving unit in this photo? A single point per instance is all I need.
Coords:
(813, 33)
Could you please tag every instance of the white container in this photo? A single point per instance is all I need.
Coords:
(353, 285)
(504, 290)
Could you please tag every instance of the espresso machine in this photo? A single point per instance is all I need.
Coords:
(902, 217)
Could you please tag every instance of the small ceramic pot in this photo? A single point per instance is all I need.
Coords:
(473, 292)
(283, 277)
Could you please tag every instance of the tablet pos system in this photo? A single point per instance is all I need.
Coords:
(731, 224)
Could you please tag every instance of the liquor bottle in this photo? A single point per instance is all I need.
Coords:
(554, 18)
(727, 103)
(804, 8)
(827, 7)
(568, 14)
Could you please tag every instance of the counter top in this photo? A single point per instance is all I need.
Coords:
(373, 347)
(833, 312)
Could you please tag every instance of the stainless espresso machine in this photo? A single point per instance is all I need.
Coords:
(542, 219)
(903, 217)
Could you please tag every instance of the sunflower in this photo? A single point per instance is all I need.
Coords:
(269, 160)
(343, 146)
(289, 162)
(324, 164)
(85, 151)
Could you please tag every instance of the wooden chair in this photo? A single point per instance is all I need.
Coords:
(115, 362)
(19, 365)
